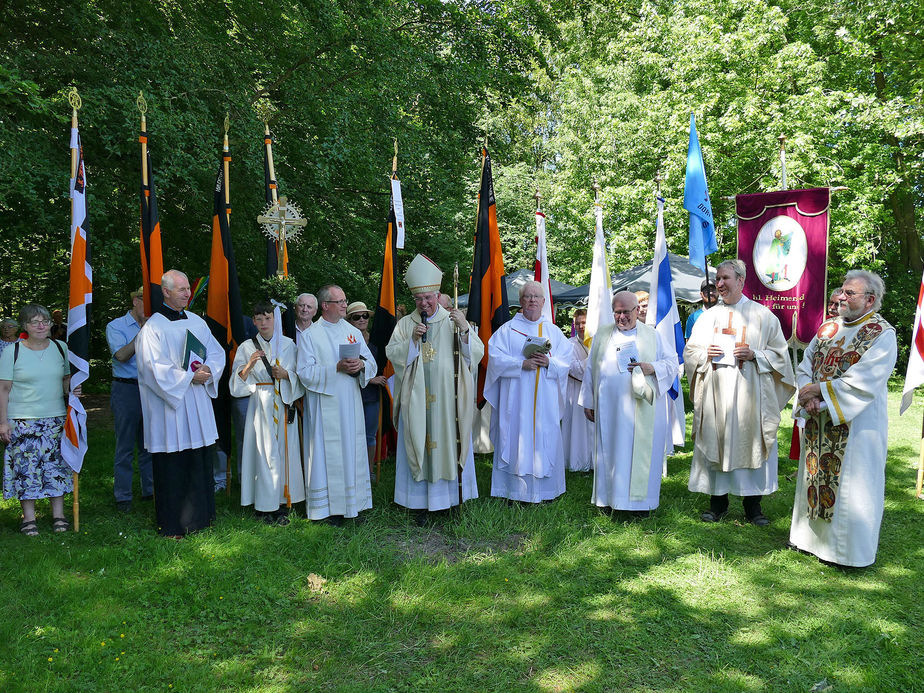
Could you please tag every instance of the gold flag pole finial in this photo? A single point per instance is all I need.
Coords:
(141, 103)
(394, 161)
(658, 181)
(596, 188)
(227, 122)
(783, 182)
(73, 98)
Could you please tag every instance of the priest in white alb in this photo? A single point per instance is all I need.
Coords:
(740, 378)
(577, 432)
(271, 461)
(843, 389)
(528, 362)
(333, 364)
(179, 365)
(435, 355)
(629, 371)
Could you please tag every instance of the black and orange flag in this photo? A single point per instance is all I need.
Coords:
(224, 312)
(487, 297)
(152, 260)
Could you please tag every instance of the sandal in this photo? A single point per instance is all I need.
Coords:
(59, 524)
(30, 529)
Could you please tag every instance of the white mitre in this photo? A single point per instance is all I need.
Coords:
(423, 276)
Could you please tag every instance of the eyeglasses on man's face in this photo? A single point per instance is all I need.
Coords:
(850, 293)
(341, 302)
(40, 322)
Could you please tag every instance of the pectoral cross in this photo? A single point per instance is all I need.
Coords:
(428, 353)
(431, 444)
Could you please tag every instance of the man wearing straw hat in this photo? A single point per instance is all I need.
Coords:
(435, 355)
(740, 379)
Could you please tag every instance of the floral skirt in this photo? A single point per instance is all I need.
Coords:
(32, 465)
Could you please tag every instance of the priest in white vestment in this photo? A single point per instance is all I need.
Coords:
(740, 378)
(271, 460)
(628, 374)
(577, 432)
(335, 457)
(527, 394)
(435, 355)
(843, 386)
(179, 365)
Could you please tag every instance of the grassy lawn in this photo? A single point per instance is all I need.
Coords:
(547, 598)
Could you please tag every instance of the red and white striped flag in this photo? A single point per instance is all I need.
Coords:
(541, 270)
(914, 376)
(80, 297)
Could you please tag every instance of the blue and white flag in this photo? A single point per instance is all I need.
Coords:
(665, 318)
(696, 202)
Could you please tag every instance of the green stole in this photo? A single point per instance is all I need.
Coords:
(646, 339)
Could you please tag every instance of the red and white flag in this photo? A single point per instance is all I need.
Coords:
(915, 373)
(80, 297)
(541, 270)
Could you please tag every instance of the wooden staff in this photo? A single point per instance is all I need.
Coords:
(74, 98)
(285, 437)
(457, 359)
(226, 166)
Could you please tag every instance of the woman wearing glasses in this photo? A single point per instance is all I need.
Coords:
(34, 378)
(358, 315)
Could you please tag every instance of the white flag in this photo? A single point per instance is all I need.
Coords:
(664, 316)
(600, 298)
(541, 271)
(398, 204)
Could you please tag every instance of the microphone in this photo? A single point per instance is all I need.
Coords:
(423, 321)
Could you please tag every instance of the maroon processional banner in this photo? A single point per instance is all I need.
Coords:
(783, 241)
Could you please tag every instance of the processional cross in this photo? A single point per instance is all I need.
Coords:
(282, 221)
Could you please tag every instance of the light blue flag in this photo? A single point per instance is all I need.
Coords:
(696, 202)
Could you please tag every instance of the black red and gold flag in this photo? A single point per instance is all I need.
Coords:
(152, 260)
(487, 298)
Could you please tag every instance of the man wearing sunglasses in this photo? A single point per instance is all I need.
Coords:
(843, 385)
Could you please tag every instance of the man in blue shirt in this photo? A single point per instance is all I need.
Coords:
(710, 296)
(125, 402)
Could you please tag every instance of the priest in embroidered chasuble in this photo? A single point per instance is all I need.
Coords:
(333, 364)
(740, 378)
(577, 432)
(528, 362)
(179, 365)
(435, 360)
(264, 372)
(843, 386)
(628, 374)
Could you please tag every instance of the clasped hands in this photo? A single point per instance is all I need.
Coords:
(349, 366)
(535, 361)
(810, 398)
(742, 352)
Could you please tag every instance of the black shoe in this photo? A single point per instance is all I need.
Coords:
(759, 520)
(421, 517)
(636, 515)
(334, 520)
(124, 506)
(712, 516)
(148, 497)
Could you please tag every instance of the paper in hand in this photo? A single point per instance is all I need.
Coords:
(726, 342)
(626, 355)
(349, 351)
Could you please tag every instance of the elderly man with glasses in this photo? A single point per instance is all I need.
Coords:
(528, 363)
(740, 378)
(843, 385)
(334, 363)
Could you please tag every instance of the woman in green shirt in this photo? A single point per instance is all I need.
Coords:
(34, 380)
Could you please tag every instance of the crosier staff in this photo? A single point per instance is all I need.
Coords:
(456, 358)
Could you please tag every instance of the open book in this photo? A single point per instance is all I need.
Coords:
(536, 345)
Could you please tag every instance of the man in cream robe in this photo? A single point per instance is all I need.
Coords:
(176, 401)
(629, 372)
(271, 461)
(577, 432)
(434, 392)
(335, 457)
(527, 395)
(740, 380)
(843, 380)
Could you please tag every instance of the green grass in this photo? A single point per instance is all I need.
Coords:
(547, 598)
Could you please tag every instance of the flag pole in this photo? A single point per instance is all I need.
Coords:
(917, 490)
(783, 182)
(282, 267)
(143, 108)
(74, 99)
(457, 358)
(226, 166)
